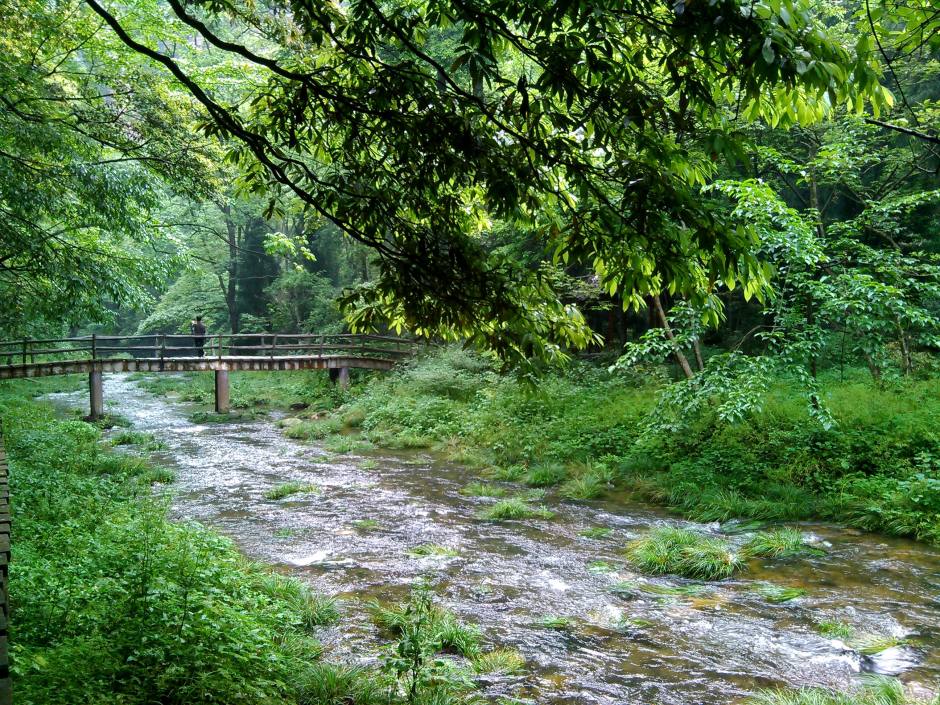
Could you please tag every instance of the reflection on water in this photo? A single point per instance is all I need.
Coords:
(651, 649)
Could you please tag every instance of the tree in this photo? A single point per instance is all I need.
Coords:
(88, 134)
(569, 120)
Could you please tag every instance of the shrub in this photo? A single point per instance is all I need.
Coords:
(669, 550)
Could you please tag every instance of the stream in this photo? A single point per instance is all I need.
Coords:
(714, 647)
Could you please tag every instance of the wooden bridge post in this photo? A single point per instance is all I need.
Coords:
(95, 394)
(221, 392)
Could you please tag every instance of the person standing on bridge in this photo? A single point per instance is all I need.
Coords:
(199, 335)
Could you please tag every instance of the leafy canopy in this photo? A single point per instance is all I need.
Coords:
(571, 120)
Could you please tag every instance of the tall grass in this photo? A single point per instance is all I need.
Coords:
(669, 550)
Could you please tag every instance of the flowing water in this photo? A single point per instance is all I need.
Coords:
(714, 647)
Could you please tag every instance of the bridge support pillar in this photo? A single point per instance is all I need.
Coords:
(340, 376)
(95, 395)
(221, 392)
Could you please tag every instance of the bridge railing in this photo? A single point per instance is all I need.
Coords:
(163, 346)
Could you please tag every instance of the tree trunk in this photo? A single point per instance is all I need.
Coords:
(680, 356)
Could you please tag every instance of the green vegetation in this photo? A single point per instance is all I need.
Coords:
(515, 508)
(146, 441)
(507, 661)
(482, 489)
(584, 487)
(286, 489)
(551, 621)
(596, 532)
(835, 629)
(778, 593)
(441, 625)
(367, 524)
(430, 550)
(103, 584)
(872, 469)
(628, 588)
(874, 690)
(546, 475)
(780, 543)
(668, 550)
(871, 644)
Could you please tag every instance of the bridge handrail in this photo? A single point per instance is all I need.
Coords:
(162, 345)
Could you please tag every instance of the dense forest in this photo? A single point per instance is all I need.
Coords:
(684, 254)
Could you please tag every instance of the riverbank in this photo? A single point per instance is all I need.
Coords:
(113, 603)
(555, 593)
(877, 468)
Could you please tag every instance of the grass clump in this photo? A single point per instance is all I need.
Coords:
(596, 532)
(872, 644)
(669, 550)
(340, 684)
(443, 626)
(367, 524)
(482, 489)
(601, 567)
(778, 594)
(346, 444)
(286, 489)
(127, 583)
(157, 476)
(629, 588)
(431, 550)
(780, 543)
(835, 629)
(317, 610)
(313, 430)
(508, 473)
(506, 661)
(147, 441)
(585, 487)
(555, 622)
(515, 508)
(369, 464)
(875, 690)
(546, 475)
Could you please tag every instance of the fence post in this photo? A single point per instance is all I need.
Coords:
(274, 347)
(94, 347)
(156, 345)
(162, 348)
(25, 347)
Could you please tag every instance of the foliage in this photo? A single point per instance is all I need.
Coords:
(286, 489)
(515, 508)
(430, 550)
(670, 550)
(779, 543)
(113, 603)
(875, 690)
(507, 661)
(497, 129)
(778, 594)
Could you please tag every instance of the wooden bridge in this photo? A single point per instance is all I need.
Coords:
(221, 353)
